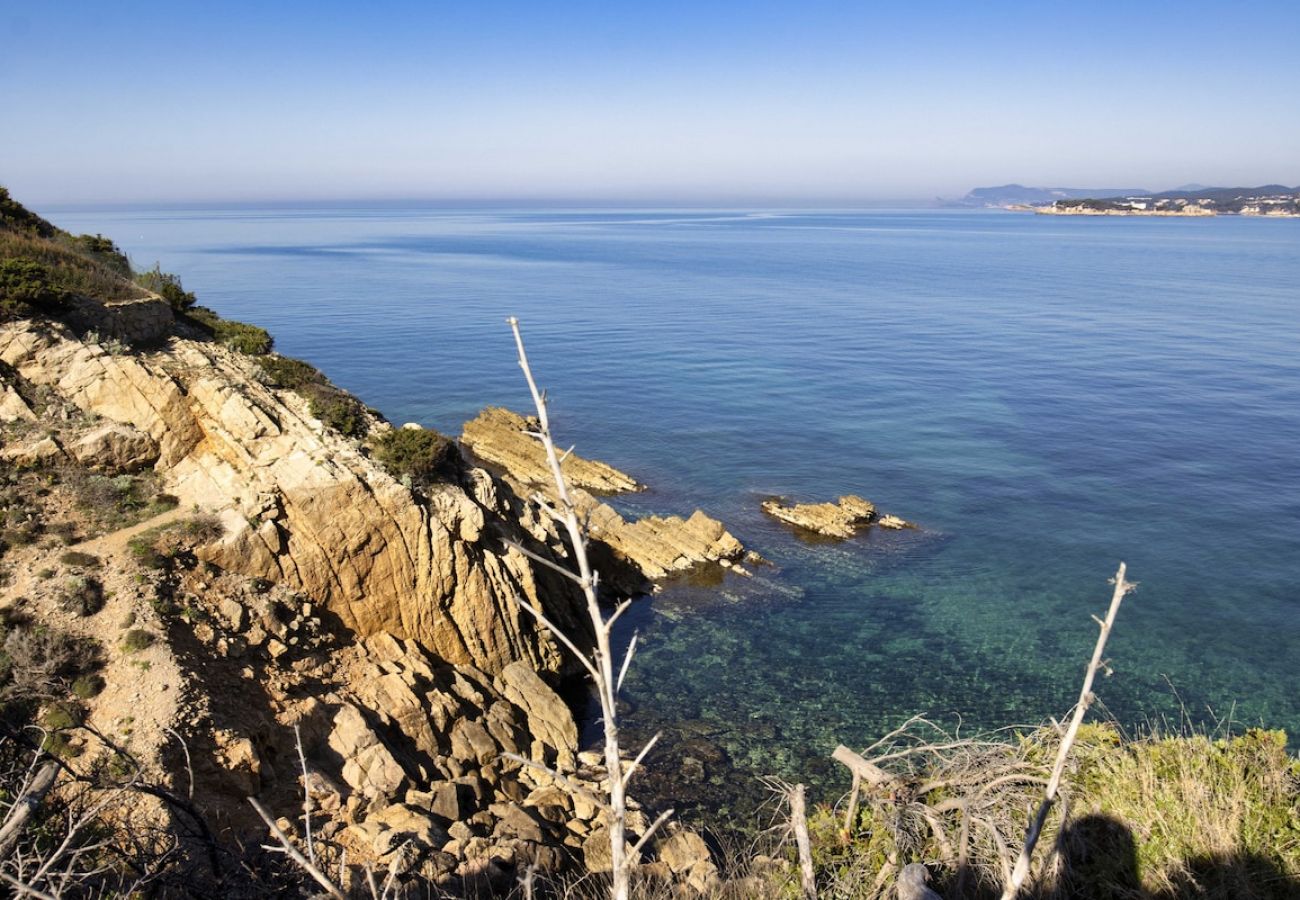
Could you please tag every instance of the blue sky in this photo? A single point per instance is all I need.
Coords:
(657, 102)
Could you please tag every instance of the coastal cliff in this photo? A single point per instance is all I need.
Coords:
(255, 597)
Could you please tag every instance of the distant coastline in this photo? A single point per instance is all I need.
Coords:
(1193, 201)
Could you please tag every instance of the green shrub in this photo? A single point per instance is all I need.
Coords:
(20, 536)
(15, 216)
(82, 596)
(65, 531)
(137, 639)
(337, 410)
(238, 336)
(287, 372)
(88, 265)
(61, 716)
(87, 686)
(143, 552)
(38, 663)
(103, 251)
(118, 501)
(419, 454)
(79, 560)
(167, 286)
(27, 287)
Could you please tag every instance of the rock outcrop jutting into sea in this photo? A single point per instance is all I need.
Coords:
(652, 547)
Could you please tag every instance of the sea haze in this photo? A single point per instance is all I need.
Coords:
(1044, 396)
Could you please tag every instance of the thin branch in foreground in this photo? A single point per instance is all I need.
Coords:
(1086, 698)
(295, 854)
(600, 664)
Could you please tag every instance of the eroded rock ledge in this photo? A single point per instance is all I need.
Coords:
(501, 437)
(647, 549)
(841, 519)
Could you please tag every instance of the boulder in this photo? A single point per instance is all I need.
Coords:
(35, 454)
(14, 408)
(549, 719)
(688, 857)
(115, 449)
(369, 767)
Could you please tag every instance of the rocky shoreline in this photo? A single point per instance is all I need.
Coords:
(325, 598)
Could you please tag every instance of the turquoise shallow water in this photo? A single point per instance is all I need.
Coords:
(1044, 396)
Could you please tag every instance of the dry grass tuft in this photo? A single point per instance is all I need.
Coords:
(1155, 816)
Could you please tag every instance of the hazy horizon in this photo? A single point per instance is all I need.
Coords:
(681, 105)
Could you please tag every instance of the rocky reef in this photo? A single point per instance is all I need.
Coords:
(841, 519)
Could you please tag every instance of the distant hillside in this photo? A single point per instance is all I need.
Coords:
(1219, 194)
(1019, 195)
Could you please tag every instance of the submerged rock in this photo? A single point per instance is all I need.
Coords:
(841, 519)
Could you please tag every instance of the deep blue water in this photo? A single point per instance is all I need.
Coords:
(1045, 396)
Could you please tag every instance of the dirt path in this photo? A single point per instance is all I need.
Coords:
(115, 541)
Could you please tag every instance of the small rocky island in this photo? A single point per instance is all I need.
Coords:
(841, 519)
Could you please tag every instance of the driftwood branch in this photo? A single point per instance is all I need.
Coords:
(1086, 697)
(33, 794)
(799, 822)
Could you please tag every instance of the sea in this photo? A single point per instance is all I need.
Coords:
(1044, 397)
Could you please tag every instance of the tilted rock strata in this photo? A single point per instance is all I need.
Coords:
(303, 506)
(501, 437)
(655, 546)
(841, 519)
(659, 546)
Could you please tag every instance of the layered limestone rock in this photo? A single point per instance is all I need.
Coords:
(654, 547)
(306, 507)
(841, 519)
(659, 546)
(504, 438)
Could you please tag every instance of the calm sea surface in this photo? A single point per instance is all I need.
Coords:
(1044, 396)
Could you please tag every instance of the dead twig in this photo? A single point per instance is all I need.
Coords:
(1086, 697)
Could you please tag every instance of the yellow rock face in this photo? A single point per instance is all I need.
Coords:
(305, 506)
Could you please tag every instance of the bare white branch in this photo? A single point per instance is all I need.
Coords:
(295, 854)
(1086, 697)
(627, 661)
(564, 511)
